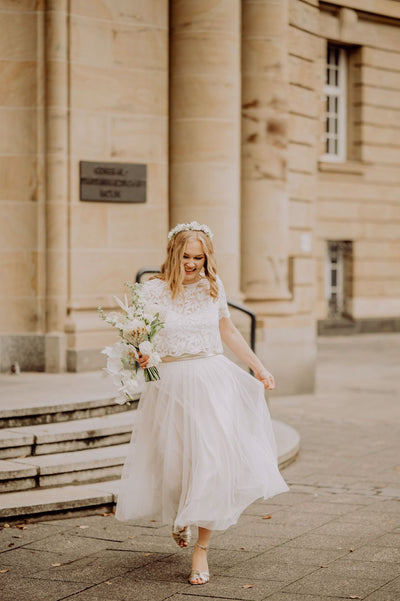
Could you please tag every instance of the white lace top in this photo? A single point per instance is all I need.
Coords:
(192, 323)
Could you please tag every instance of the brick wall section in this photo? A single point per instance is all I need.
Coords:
(304, 124)
(119, 113)
(21, 305)
(360, 200)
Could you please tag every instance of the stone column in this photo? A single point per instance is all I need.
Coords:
(205, 124)
(56, 180)
(265, 204)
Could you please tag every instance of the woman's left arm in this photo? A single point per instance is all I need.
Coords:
(231, 336)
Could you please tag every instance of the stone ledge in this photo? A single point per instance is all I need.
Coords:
(366, 325)
(54, 407)
(48, 500)
(13, 469)
(76, 429)
(15, 438)
(61, 463)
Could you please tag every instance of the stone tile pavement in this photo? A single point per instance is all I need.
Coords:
(334, 536)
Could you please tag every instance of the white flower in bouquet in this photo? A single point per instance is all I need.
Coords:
(115, 319)
(129, 387)
(137, 326)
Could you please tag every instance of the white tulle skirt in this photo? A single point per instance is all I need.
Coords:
(202, 448)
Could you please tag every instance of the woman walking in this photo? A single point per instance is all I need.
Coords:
(203, 447)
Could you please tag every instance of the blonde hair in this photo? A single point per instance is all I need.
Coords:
(172, 270)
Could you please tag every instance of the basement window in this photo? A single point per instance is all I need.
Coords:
(338, 280)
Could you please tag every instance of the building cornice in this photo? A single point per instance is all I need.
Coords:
(388, 9)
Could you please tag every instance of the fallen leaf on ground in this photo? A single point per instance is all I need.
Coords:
(107, 582)
(6, 526)
(56, 565)
(131, 537)
(324, 566)
(11, 544)
(146, 554)
(83, 527)
(22, 527)
(354, 597)
(4, 571)
(267, 517)
(243, 548)
(247, 586)
(351, 550)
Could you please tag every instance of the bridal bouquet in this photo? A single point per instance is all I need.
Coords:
(137, 326)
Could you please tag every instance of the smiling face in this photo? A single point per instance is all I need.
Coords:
(193, 261)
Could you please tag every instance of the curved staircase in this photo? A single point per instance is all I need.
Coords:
(63, 442)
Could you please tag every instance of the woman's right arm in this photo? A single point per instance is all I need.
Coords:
(238, 345)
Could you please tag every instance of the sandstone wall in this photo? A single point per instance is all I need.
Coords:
(359, 199)
(304, 55)
(119, 112)
(92, 81)
(21, 177)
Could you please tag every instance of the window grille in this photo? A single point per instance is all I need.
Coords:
(335, 104)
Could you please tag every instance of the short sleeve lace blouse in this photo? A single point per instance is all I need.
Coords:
(192, 322)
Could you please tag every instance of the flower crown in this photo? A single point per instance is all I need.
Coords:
(195, 226)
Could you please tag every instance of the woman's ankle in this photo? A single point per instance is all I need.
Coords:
(201, 546)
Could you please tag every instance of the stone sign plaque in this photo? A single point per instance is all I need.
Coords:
(112, 182)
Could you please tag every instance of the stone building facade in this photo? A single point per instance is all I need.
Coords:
(276, 122)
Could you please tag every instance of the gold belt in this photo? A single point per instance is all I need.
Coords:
(187, 357)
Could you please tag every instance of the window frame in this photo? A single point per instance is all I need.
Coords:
(338, 91)
(341, 288)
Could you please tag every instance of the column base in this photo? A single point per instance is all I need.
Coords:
(290, 355)
(79, 360)
(55, 353)
(22, 352)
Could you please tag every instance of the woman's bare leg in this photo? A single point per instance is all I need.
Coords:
(199, 557)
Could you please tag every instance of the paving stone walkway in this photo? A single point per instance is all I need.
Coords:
(334, 536)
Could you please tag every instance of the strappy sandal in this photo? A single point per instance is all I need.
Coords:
(183, 535)
(196, 574)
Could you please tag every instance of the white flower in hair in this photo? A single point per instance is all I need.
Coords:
(194, 225)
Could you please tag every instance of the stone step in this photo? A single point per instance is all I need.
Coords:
(61, 412)
(68, 436)
(61, 499)
(35, 399)
(14, 476)
(57, 469)
(90, 496)
(15, 444)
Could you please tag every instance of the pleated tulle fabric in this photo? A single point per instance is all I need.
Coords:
(202, 449)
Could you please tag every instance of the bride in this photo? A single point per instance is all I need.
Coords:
(203, 447)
